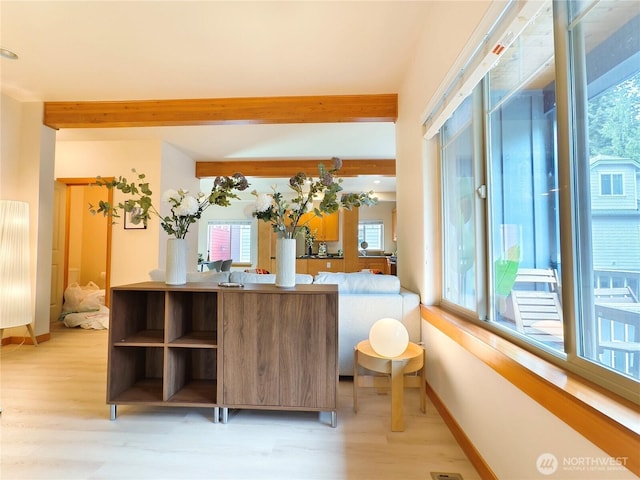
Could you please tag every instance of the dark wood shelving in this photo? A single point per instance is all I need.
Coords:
(168, 346)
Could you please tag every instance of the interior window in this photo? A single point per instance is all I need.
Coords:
(229, 240)
(371, 232)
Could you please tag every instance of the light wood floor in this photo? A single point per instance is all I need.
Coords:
(55, 425)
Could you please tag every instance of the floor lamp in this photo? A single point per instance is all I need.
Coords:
(15, 271)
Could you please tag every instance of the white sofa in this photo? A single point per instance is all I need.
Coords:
(364, 298)
(234, 276)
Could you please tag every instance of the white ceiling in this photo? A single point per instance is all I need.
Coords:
(135, 50)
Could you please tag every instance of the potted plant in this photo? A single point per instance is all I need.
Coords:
(186, 209)
(286, 216)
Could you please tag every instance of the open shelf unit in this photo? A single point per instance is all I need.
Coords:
(163, 346)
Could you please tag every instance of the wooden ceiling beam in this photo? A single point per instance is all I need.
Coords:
(220, 111)
(288, 168)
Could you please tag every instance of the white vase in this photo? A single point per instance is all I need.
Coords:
(176, 271)
(286, 262)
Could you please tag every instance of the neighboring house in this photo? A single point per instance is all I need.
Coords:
(615, 217)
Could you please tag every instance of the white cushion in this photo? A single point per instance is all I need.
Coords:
(359, 282)
(246, 277)
(210, 276)
(156, 275)
(193, 277)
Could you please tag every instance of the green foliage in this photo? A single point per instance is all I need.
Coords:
(614, 121)
(285, 216)
(185, 209)
(506, 271)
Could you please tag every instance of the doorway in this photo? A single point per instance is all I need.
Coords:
(81, 250)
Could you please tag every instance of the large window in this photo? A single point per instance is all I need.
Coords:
(371, 232)
(229, 240)
(552, 187)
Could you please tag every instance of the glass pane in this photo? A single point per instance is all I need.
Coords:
(230, 240)
(523, 188)
(607, 85)
(605, 184)
(458, 200)
(617, 184)
(371, 232)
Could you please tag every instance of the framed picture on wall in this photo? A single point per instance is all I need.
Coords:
(129, 223)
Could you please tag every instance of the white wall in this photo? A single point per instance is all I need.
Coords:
(178, 171)
(508, 428)
(26, 174)
(133, 252)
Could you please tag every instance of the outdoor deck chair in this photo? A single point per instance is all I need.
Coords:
(536, 303)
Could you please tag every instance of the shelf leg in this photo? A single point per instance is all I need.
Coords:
(334, 419)
(216, 414)
(112, 410)
(225, 414)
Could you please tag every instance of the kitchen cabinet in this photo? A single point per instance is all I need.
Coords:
(329, 264)
(327, 227)
(394, 224)
(374, 263)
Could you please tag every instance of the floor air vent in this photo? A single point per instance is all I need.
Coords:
(445, 476)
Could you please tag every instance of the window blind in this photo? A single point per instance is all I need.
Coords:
(487, 44)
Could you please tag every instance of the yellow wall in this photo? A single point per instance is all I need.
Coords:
(87, 236)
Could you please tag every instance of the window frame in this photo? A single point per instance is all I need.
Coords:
(611, 183)
(379, 223)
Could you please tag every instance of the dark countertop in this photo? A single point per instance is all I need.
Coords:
(316, 257)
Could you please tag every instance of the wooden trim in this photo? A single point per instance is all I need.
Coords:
(79, 181)
(288, 168)
(605, 419)
(25, 340)
(264, 245)
(350, 220)
(221, 111)
(465, 443)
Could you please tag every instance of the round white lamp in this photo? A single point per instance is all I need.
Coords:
(388, 337)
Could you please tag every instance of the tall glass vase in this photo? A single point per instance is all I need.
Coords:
(286, 262)
(176, 271)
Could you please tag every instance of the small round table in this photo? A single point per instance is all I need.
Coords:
(397, 369)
